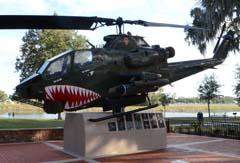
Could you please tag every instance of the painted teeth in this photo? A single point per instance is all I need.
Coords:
(76, 90)
(62, 88)
(58, 88)
(72, 95)
(49, 94)
(67, 105)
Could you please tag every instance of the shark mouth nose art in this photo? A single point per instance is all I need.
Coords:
(73, 96)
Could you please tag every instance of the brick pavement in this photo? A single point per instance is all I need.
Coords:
(187, 149)
(181, 149)
(29, 152)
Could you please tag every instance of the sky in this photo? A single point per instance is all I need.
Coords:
(165, 11)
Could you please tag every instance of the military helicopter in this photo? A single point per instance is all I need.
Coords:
(120, 74)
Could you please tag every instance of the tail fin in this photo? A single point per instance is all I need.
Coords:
(220, 36)
(221, 51)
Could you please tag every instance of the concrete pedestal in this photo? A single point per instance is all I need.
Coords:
(131, 134)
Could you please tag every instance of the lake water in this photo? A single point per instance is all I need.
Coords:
(184, 114)
(30, 116)
(167, 115)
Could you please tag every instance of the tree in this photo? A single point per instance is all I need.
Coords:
(165, 100)
(154, 96)
(237, 86)
(187, 100)
(211, 15)
(208, 90)
(3, 96)
(39, 45)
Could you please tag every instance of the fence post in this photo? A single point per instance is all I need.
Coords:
(167, 125)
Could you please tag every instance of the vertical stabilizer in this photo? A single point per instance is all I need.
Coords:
(221, 51)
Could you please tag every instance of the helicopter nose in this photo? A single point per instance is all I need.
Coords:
(22, 91)
(24, 88)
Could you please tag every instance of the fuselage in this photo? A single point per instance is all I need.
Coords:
(114, 76)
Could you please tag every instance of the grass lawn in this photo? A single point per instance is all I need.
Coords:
(190, 108)
(28, 109)
(6, 123)
(15, 123)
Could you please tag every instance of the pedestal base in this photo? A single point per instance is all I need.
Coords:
(130, 134)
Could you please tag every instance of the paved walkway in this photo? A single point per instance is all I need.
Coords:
(181, 149)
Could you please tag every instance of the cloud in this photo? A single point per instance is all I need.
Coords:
(10, 48)
(96, 7)
(9, 79)
(23, 7)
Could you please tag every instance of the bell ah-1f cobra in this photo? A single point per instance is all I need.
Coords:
(120, 74)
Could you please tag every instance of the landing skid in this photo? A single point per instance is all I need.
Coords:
(116, 115)
(27, 101)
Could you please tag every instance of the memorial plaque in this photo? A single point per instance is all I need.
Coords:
(160, 120)
(129, 121)
(146, 122)
(153, 120)
(138, 122)
(159, 116)
(161, 124)
(121, 124)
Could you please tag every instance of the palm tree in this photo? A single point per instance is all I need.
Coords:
(212, 14)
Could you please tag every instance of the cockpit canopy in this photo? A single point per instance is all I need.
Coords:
(124, 42)
(65, 62)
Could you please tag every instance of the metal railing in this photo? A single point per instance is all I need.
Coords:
(206, 128)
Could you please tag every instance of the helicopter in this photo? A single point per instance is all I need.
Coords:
(120, 74)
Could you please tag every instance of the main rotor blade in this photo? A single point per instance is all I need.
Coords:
(46, 22)
(73, 22)
(156, 24)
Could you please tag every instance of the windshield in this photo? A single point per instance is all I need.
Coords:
(47, 62)
(141, 42)
(58, 67)
(82, 58)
